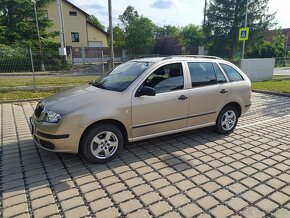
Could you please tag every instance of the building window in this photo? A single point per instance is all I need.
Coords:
(72, 13)
(75, 37)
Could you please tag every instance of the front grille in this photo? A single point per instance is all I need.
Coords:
(38, 110)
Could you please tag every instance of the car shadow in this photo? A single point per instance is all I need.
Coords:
(24, 166)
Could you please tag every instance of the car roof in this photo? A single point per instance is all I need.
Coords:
(179, 58)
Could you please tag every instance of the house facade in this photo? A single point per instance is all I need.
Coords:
(78, 30)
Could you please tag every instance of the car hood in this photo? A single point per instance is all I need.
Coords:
(72, 99)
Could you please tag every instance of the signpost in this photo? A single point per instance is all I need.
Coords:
(244, 34)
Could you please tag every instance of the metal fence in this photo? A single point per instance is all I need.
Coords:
(282, 62)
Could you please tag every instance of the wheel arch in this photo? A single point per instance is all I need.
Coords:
(116, 123)
(236, 105)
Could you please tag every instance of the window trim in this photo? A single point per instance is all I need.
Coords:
(229, 79)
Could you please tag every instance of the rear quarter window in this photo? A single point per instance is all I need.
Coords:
(232, 73)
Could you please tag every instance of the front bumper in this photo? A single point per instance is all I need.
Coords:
(46, 136)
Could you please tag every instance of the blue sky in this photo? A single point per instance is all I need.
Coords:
(173, 12)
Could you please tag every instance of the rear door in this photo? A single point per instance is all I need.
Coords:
(208, 94)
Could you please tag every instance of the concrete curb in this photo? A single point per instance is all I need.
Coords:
(271, 93)
(20, 100)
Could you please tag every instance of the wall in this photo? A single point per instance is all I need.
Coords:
(94, 35)
(258, 69)
(71, 23)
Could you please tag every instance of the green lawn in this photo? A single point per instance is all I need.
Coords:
(46, 81)
(282, 86)
(15, 95)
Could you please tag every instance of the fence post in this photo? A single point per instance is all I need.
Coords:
(102, 59)
(32, 67)
(83, 54)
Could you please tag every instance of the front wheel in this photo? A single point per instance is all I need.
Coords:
(227, 120)
(102, 143)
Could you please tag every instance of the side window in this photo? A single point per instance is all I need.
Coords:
(232, 73)
(202, 74)
(219, 74)
(166, 78)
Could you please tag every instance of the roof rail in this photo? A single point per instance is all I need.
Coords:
(193, 56)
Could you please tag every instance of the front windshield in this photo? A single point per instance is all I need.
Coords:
(122, 76)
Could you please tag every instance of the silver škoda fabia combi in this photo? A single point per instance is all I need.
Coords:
(141, 99)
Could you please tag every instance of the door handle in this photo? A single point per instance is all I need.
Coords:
(223, 91)
(182, 97)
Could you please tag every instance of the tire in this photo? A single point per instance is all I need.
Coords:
(227, 120)
(102, 143)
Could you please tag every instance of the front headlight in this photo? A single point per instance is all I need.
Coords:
(52, 117)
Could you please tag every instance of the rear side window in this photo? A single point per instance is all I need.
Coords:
(202, 74)
(232, 73)
(219, 74)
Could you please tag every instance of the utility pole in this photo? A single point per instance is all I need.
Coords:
(204, 14)
(246, 23)
(62, 50)
(111, 34)
(38, 34)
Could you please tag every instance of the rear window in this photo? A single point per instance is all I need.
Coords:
(202, 74)
(233, 74)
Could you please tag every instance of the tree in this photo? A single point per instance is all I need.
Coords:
(17, 21)
(129, 15)
(166, 31)
(139, 35)
(138, 31)
(95, 21)
(119, 37)
(167, 45)
(267, 49)
(191, 35)
(225, 17)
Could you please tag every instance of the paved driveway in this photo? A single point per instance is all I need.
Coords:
(197, 173)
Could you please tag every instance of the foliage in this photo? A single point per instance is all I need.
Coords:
(17, 19)
(225, 17)
(119, 37)
(270, 49)
(167, 30)
(17, 59)
(129, 15)
(167, 45)
(191, 35)
(95, 21)
(138, 31)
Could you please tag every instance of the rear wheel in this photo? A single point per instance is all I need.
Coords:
(102, 143)
(227, 120)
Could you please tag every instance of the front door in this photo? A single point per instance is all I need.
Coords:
(168, 109)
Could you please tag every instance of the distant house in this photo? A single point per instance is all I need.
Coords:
(78, 30)
(285, 32)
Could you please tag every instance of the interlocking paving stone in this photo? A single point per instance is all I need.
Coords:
(196, 173)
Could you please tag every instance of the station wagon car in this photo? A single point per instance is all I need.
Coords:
(141, 99)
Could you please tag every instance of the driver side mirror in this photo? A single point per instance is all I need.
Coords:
(145, 90)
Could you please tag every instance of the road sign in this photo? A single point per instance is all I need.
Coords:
(244, 34)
